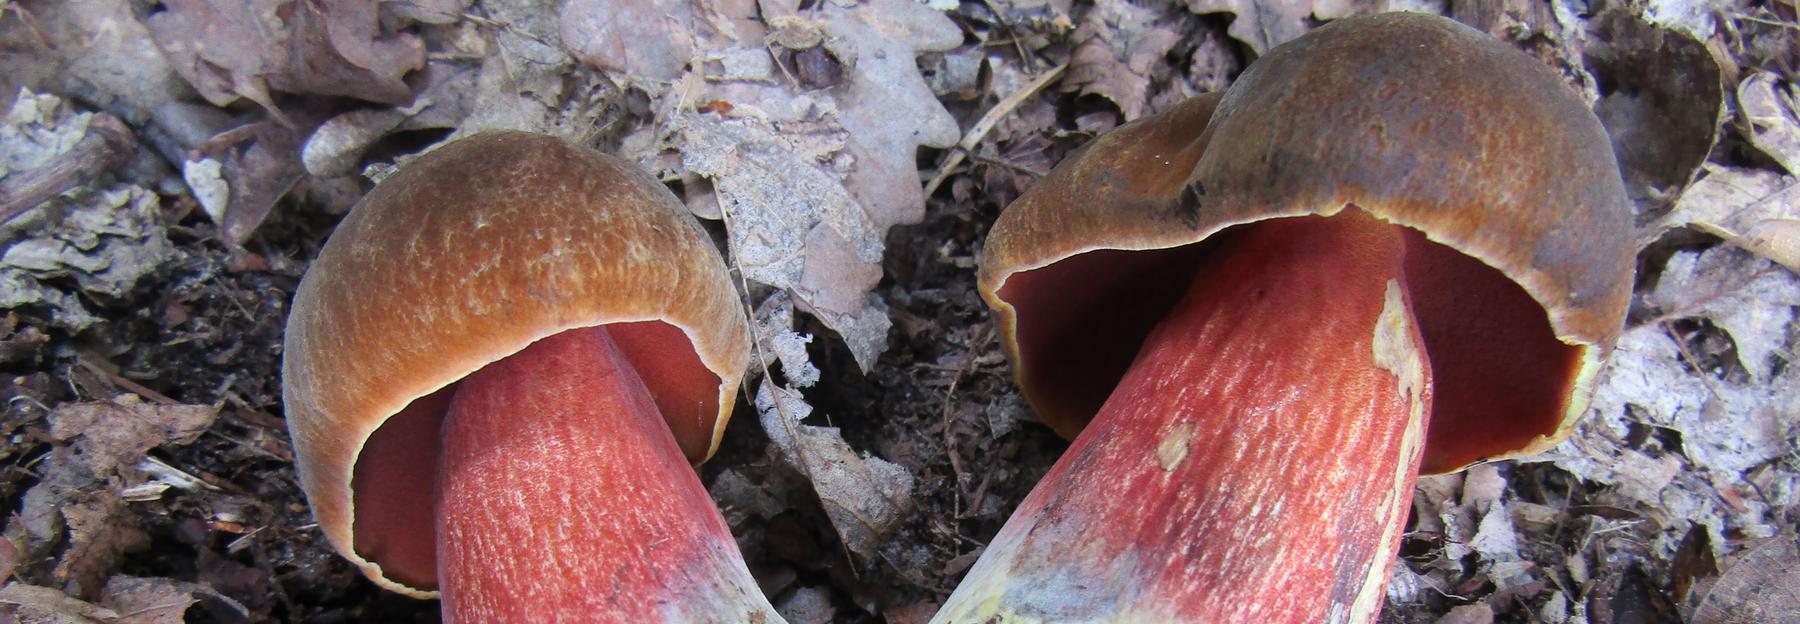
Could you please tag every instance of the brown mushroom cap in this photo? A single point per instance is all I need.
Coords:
(1416, 119)
(463, 257)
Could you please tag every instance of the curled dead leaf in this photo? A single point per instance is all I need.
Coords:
(245, 48)
(1662, 102)
(865, 497)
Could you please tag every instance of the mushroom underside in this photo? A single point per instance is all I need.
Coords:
(1501, 376)
(396, 472)
(1254, 462)
(1254, 457)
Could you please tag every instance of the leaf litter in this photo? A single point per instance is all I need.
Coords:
(897, 444)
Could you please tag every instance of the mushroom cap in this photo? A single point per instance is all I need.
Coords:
(1414, 118)
(467, 255)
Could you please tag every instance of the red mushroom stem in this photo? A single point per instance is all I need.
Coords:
(561, 491)
(1256, 461)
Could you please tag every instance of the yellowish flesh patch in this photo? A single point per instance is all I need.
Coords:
(1395, 351)
(1174, 447)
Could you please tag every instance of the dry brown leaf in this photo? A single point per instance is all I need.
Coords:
(111, 434)
(1749, 299)
(808, 605)
(104, 55)
(1117, 45)
(1761, 586)
(1768, 105)
(1753, 209)
(240, 174)
(648, 42)
(245, 48)
(140, 600)
(429, 11)
(1260, 25)
(73, 520)
(865, 497)
(43, 605)
(336, 147)
(1663, 104)
(1338, 9)
(1554, 32)
(779, 343)
(526, 80)
(1478, 613)
(126, 600)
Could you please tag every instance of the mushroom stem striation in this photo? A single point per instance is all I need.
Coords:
(1256, 461)
(561, 491)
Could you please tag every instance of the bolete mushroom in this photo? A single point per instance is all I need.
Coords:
(497, 373)
(1394, 244)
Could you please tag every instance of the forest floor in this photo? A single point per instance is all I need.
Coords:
(197, 154)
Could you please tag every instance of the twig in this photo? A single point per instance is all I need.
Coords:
(120, 381)
(1766, 21)
(992, 118)
(947, 404)
(107, 145)
(1688, 357)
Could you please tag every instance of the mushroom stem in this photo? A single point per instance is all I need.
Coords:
(1256, 461)
(562, 494)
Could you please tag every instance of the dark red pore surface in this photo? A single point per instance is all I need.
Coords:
(1500, 376)
(395, 474)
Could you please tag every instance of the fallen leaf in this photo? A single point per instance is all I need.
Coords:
(807, 605)
(648, 42)
(1693, 568)
(1260, 25)
(1338, 9)
(44, 605)
(1750, 299)
(245, 48)
(1694, 17)
(1495, 538)
(739, 498)
(258, 163)
(336, 147)
(1552, 32)
(780, 343)
(1662, 102)
(104, 55)
(1116, 46)
(75, 523)
(865, 497)
(109, 434)
(1768, 107)
(1728, 422)
(526, 80)
(126, 600)
(803, 135)
(1478, 613)
(141, 600)
(101, 530)
(1753, 209)
(1763, 585)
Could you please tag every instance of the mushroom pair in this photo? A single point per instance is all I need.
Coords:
(1394, 245)
(498, 373)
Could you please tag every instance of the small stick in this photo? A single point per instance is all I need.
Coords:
(108, 145)
(986, 124)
